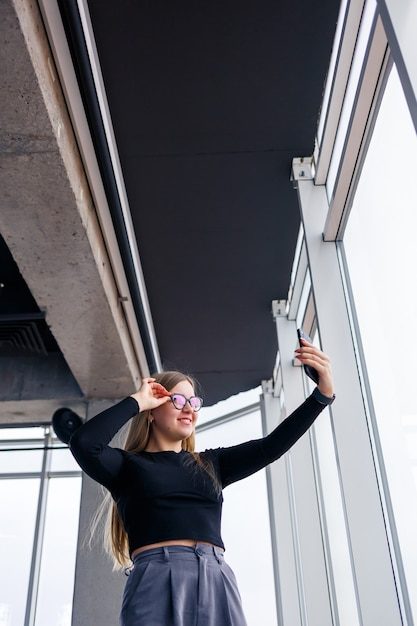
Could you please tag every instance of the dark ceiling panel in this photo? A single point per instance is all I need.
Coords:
(210, 101)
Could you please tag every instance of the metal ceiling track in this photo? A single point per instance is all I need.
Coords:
(65, 16)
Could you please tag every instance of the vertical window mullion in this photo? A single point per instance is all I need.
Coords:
(38, 534)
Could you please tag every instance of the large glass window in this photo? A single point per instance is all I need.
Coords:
(56, 581)
(17, 527)
(40, 486)
(246, 526)
(381, 258)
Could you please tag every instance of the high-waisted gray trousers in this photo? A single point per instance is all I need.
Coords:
(181, 586)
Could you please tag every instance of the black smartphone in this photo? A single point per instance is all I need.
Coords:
(311, 372)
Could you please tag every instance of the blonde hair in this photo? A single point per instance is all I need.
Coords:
(115, 540)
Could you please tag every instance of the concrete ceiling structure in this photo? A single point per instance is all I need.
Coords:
(209, 103)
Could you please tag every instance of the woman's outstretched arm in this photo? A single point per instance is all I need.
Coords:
(242, 460)
(237, 462)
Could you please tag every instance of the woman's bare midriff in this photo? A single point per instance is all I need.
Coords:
(172, 542)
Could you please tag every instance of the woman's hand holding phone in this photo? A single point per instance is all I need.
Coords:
(316, 364)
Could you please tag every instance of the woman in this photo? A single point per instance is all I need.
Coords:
(166, 499)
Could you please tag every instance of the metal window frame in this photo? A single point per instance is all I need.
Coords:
(400, 23)
(389, 41)
(368, 93)
(302, 585)
(44, 474)
(310, 323)
(344, 50)
(371, 553)
(271, 410)
(386, 503)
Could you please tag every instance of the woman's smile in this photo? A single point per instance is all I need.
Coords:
(185, 420)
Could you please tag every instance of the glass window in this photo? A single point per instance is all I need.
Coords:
(57, 531)
(36, 432)
(18, 461)
(304, 298)
(231, 404)
(17, 527)
(245, 525)
(381, 257)
(56, 582)
(63, 461)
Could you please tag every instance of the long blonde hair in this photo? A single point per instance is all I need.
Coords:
(115, 540)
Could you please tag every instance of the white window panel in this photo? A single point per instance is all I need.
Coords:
(17, 525)
(37, 432)
(56, 582)
(63, 461)
(18, 461)
(381, 256)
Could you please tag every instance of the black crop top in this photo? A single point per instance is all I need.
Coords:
(161, 496)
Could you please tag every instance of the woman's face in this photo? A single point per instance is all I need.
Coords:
(170, 424)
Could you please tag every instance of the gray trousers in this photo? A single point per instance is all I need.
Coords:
(181, 586)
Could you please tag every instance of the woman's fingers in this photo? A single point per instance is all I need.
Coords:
(319, 364)
(162, 399)
(159, 389)
(316, 360)
(310, 355)
(151, 385)
(309, 349)
(317, 357)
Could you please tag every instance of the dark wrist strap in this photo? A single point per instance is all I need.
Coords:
(320, 397)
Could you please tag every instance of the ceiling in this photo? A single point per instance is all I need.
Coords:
(210, 101)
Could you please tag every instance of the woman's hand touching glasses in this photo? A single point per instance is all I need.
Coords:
(151, 394)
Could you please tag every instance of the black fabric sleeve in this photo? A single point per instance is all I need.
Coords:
(242, 460)
(89, 444)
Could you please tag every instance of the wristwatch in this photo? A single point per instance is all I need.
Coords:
(320, 397)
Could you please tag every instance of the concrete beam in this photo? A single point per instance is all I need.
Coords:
(47, 216)
(36, 412)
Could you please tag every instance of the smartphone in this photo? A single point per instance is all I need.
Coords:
(311, 372)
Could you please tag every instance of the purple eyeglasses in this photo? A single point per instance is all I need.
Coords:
(179, 401)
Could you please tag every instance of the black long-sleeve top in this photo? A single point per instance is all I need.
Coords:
(161, 496)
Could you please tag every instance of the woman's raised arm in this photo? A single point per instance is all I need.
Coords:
(89, 444)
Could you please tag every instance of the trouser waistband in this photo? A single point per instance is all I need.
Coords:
(203, 552)
(200, 549)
